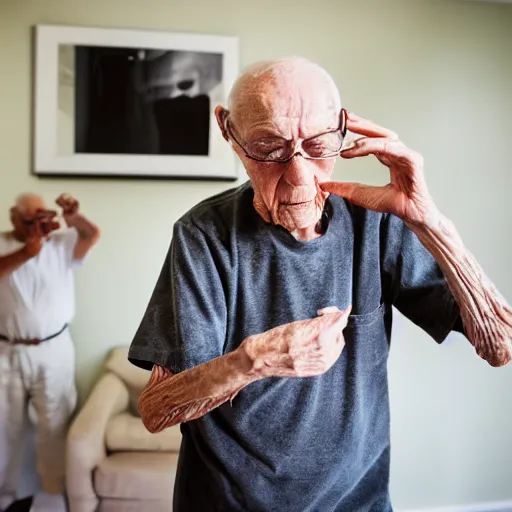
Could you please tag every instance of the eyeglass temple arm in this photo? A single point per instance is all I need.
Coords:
(343, 123)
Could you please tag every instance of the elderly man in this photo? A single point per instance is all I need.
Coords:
(36, 351)
(268, 331)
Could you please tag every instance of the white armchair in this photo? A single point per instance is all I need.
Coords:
(113, 463)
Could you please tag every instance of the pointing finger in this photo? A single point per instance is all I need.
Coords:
(352, 191)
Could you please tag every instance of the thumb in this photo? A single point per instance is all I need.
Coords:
(332, 332)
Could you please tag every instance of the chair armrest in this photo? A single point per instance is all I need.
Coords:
(86, 437)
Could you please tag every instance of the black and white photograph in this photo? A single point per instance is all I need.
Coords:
(141, 101)
(134, 109)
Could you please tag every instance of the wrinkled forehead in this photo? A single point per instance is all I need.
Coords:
(285, 105)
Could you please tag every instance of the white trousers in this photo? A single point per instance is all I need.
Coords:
(42, 376)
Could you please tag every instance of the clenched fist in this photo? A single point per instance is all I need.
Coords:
(68, 204)
(305, 348)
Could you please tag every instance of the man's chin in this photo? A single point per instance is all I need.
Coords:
(300, 216)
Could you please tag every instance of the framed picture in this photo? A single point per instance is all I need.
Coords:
(111, 102)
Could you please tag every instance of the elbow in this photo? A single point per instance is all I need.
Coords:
(151, 426)
(149, 415)
(500, 360)
(95, 235)
(152, 415)
(91, 236)
(497, 353)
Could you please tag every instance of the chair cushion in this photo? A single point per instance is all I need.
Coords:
(134, 378)
(125, 432)
(137, 476)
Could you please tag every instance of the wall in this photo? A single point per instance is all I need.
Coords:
(437, 72)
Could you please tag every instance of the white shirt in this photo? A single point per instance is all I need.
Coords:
(38, 298)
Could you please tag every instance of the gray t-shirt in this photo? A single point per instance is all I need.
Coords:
(318, 444)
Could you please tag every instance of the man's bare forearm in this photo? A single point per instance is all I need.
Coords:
(86, 229)
(12, 262)
(486, 315)
(171, 399)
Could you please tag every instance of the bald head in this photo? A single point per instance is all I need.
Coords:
(290, 78)
(288, 98)
(28, 204)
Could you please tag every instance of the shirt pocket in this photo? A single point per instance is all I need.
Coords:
(367, 338)
(368, 318)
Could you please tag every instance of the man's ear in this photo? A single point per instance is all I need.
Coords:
(220, 114)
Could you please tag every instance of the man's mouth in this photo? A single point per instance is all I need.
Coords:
(300, 203)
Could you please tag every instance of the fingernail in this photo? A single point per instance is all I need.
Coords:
(328, 309)
(351, 145)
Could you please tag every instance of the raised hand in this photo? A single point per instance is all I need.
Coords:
(305, 348)
(406, 195)
(68, 204)
(46, 223)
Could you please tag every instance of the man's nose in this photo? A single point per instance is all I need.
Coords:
(298, 172)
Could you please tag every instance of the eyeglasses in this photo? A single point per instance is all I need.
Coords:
(43, 222)
(275, 149)
(41, 216)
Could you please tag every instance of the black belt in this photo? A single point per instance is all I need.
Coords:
(32, 341)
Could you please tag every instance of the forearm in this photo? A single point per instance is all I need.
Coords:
(87, 230)
(171, 399)
(486, 315)
(12, 262)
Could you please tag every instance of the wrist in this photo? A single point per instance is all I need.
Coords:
(24, 254)
(245, 363)
(433, 226)
(430, 220)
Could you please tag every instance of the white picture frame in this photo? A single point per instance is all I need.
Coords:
(62, 74)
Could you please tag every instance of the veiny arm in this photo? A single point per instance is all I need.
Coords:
(171, 399)
(486, 315)
(303, 348)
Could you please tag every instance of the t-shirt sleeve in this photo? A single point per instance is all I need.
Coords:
(67, 239)
(419, 289)
(184, 324)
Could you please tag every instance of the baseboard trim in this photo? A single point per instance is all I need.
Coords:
(501, 506)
